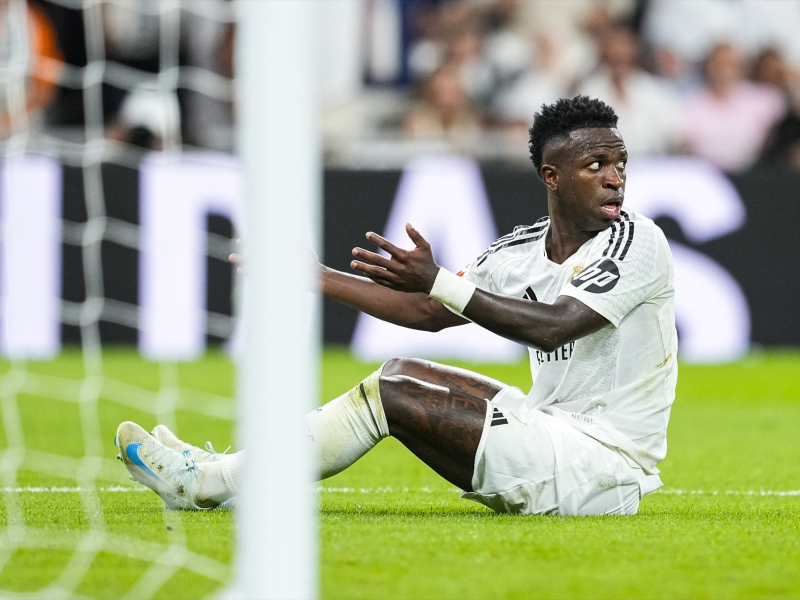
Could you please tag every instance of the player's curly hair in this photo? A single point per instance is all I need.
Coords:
(567, 114)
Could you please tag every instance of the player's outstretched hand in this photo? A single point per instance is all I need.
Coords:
(240, 260)
(410, 271)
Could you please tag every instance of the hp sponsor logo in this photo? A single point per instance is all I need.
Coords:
(600, 276)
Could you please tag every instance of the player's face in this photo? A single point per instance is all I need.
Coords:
(591, 178)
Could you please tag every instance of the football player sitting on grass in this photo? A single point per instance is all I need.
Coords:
(588, 289)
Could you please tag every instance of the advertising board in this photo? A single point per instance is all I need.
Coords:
(144, 250)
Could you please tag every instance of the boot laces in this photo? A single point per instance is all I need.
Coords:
(173, 461)
(210, 449)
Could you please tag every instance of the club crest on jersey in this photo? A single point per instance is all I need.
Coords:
(575, 270)
(600, 276)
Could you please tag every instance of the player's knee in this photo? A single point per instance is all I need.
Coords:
(401, 396)
(403, 382)
(393, 385)
(411, 367)
(397, 377)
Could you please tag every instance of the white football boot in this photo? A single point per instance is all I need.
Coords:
(170, 440)
(163, 434)
(171, 475)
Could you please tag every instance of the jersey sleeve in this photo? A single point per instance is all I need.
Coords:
(479, 274)
(631, 265)
(483, 270)
(480, 271)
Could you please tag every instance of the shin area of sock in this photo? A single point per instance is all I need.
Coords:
(345, 429)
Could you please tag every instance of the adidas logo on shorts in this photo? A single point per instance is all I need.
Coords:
(498, 418)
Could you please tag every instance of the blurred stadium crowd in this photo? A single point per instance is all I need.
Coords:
(719, 79)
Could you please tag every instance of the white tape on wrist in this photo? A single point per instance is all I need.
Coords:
(452, 290)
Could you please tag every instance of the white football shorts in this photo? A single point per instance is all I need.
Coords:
(540, 465)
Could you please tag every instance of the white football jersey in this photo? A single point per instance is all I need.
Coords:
(618, 384)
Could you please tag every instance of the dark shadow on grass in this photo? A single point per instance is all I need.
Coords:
(471, 513)
(476, 513)
(408, 512)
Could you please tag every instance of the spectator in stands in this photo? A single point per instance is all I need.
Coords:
(453, 35)
(566, 34)
(514, 105)
(692, 29)
(427, 50)
(480, 41)
(782, 147)
(728, 119)
(674, 70)
(445, 33)
(783, 143)
(506, 51)
(208, 45)
(771, 69)
(465, 52)
(28, 75)
(147, 120)
(131, 33)
(648, 108)
(444, 111)
(519, 87)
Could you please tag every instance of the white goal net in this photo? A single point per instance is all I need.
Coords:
(119, 204)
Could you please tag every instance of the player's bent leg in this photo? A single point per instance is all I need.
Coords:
(341, 431)
(438, 413)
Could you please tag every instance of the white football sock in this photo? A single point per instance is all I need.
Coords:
(342, 431)
(219, 481)
(346, 428)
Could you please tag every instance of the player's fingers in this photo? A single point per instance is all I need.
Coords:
(375, 259)
(385, 283)
(384, 244)
(416, 237)
(374, 273)
(234, 258)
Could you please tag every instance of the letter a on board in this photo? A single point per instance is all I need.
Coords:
(444, 198)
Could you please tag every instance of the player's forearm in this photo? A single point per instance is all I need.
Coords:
(535, 324)
(415, 311)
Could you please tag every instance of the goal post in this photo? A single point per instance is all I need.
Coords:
(277, 72)
(118, 201)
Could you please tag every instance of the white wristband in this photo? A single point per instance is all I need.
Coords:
(452, 290)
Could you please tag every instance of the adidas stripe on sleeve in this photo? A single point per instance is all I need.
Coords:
(480, 272)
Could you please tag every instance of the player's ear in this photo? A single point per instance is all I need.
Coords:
(550, 176)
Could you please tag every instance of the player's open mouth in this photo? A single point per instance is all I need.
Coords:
(611, 209)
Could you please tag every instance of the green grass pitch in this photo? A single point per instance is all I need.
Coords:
(726, 524)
